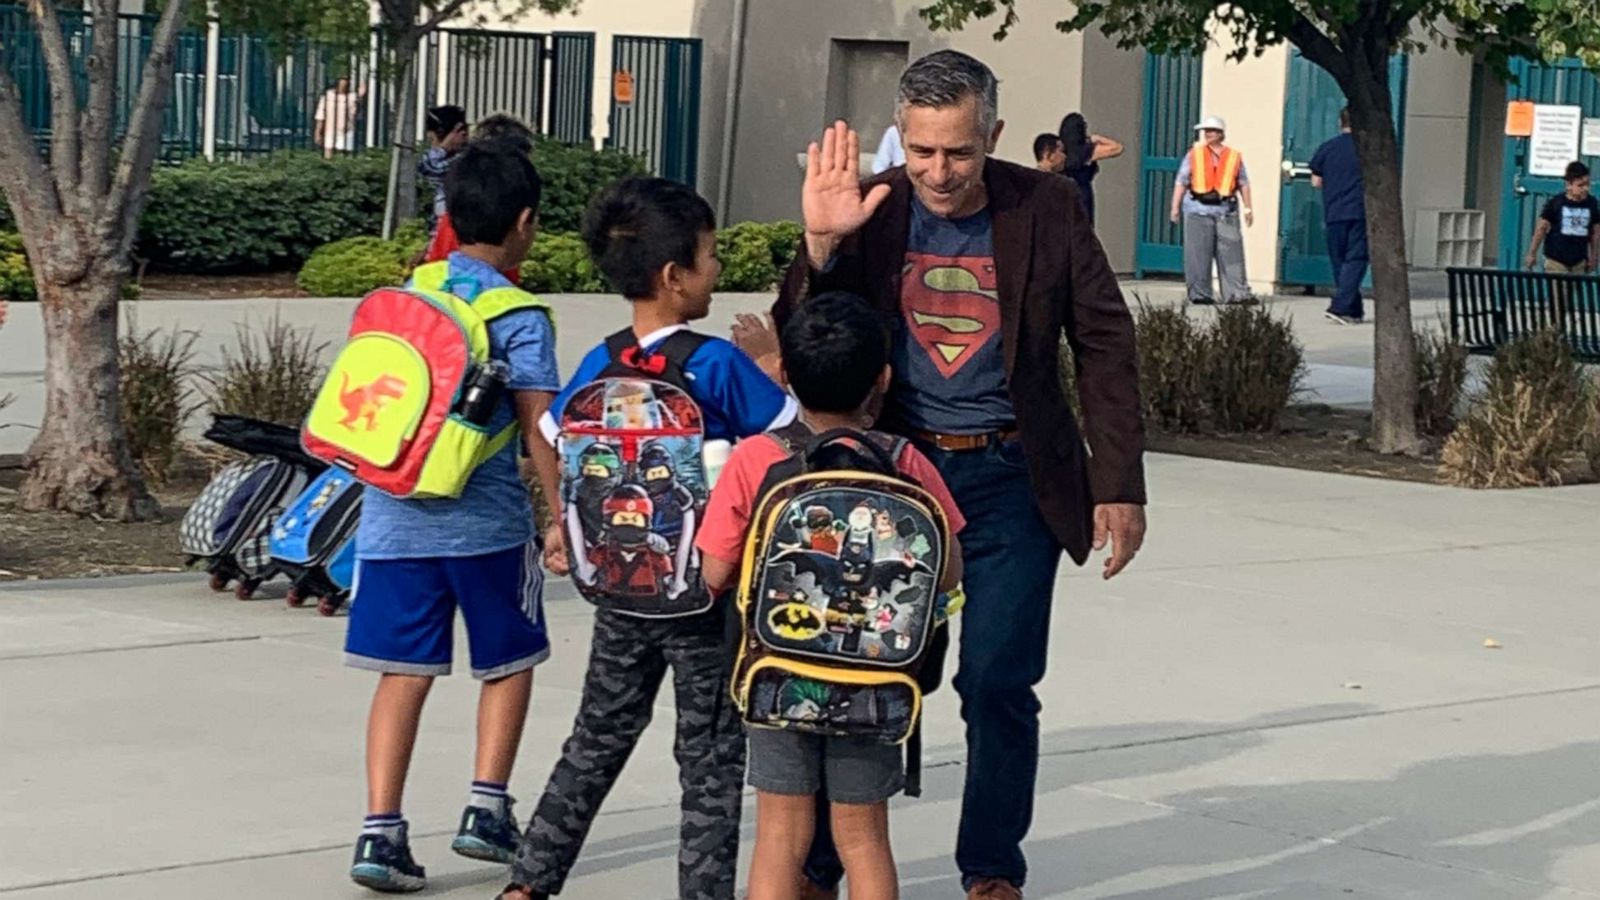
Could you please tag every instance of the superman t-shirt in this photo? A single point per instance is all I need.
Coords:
(949, 372)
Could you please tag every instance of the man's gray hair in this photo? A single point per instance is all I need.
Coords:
(946, 78)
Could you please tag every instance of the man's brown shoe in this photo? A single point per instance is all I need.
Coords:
(810, 890)
(994, 889)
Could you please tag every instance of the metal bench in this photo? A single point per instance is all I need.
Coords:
(1491, 307)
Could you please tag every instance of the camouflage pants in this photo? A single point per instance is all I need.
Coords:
(627, 663)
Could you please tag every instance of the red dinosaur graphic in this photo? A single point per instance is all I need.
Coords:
(367, 400)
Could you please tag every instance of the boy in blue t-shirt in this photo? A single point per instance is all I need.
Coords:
(655, 241)
(418, 560)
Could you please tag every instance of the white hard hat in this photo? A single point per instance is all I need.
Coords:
(1212, 123)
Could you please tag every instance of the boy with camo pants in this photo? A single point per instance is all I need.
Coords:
(655, 241)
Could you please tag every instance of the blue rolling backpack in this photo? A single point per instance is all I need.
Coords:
(313, 542)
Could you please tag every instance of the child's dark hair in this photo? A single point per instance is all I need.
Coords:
(638, 225)
(834, 348)
(486, 190)
(507, 129)
(444, 119)
(1043, 144)
(1576, 170)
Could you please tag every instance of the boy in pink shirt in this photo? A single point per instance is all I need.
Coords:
(835, 352)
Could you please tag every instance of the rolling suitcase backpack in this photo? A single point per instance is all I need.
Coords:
(314, 528)
(227, 529)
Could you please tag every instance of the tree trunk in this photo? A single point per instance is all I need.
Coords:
(1394, 386)
(402, 200)
(80, 462)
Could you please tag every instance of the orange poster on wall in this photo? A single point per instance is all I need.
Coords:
(1519, 118)
(622, 87)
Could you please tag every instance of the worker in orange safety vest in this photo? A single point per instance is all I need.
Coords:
(1210, 190)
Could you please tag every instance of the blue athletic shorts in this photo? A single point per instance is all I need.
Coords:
(402, 613)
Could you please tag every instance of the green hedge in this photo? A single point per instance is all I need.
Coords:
(270, 214)
(263, 215)
(753, 256)
(16, 279)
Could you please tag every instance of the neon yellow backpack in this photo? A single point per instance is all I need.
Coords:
(406, 404)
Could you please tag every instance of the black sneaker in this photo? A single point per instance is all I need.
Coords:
(1338, 319)
(487, 835)
(387, 866)
(1202, 301)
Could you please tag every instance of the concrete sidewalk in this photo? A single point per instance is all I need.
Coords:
(1288, 696)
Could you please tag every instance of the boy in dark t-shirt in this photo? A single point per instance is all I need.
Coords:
(1569, 227)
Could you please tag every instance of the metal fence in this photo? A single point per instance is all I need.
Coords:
(655, 102)
(268, 96)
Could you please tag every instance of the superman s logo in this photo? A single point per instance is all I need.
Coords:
(951, 307)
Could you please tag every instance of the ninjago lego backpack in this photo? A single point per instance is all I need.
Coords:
(633, 481)
(839, 592)
(407, 402)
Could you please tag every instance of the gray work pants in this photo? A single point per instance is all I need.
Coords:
(1214, 238)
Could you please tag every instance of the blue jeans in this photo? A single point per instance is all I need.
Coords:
(1011, 560)
(1347, 250)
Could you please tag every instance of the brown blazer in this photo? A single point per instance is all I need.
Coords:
(1053, 280)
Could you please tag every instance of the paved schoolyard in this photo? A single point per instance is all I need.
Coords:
(1288, 697)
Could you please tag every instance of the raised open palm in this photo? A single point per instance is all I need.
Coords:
(831, 200)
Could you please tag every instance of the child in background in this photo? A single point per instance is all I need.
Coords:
(420, 559)
(517, 137)
(835, 358)
(1569, 227)
(655, 241)
(447, 134)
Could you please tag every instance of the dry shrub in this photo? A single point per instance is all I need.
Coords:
(272, 374)
(1254, 367)
(1172, 364)
(1537, 411)
(1441, 380)
(156, 396)
(1591, 433)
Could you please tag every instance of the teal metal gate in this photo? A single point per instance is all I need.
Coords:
(571, 119)
(21, 52)
(268, 91)
(657, 114)
(1171, 108)
(1310, 118)
(1523, 195)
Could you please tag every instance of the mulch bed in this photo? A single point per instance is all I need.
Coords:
(57, 545)
(158, 286)
(1317, 438)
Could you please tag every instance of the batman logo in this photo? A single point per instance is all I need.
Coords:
(794, 622)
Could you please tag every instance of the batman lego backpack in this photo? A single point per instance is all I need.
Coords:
(315, 526)
(840, 592)
(633, 481)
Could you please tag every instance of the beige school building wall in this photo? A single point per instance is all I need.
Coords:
(806, 64)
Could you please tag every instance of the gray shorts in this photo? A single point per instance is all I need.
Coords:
(856, 771)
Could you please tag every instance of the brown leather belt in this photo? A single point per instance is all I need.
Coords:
(957, 443)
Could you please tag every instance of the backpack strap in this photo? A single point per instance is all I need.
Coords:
(913, 785)
(497, 301)
(792, 436)
(669, 361)
(430, 276)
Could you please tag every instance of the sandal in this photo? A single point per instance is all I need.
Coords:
(515, 892)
